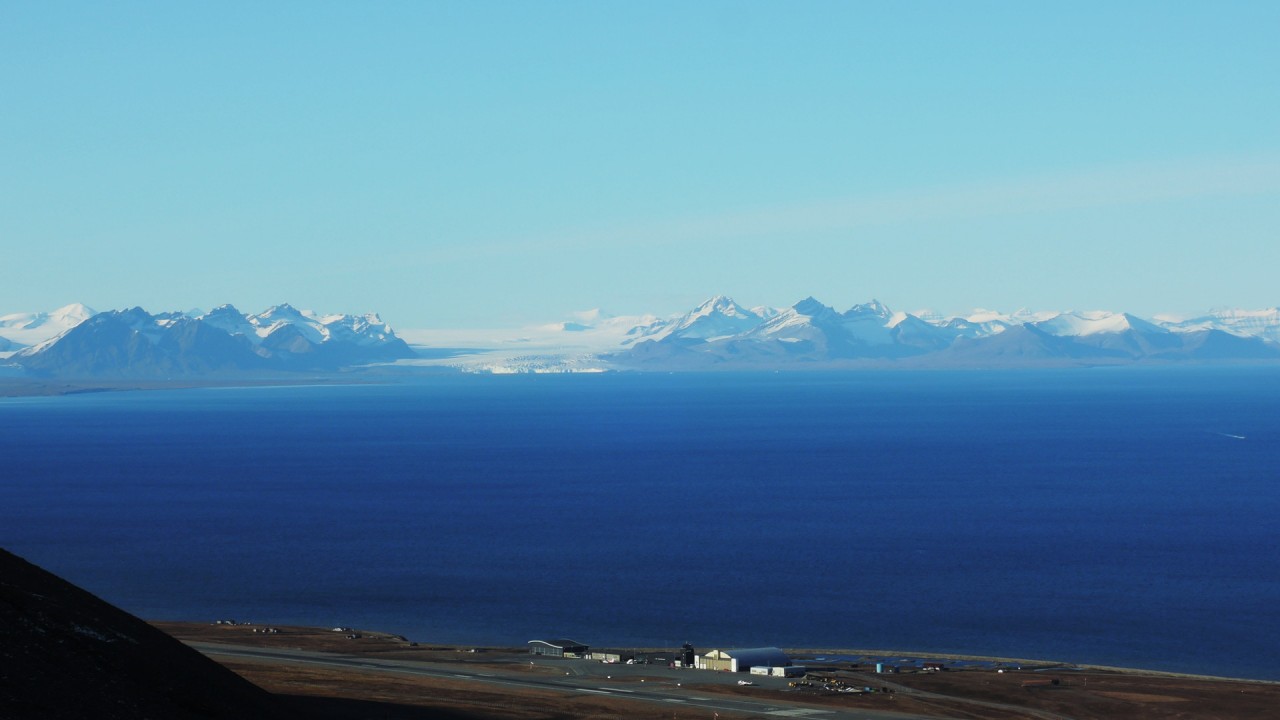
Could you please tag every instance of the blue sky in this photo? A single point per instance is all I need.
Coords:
(503, 163)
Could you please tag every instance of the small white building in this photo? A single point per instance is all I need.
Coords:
(785, 671)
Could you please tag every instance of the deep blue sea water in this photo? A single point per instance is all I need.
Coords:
(1112, 516)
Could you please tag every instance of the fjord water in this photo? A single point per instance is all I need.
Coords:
(1123, 517)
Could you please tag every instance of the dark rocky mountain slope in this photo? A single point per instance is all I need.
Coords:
(66, 655)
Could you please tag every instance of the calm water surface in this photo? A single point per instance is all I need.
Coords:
(1125, 517)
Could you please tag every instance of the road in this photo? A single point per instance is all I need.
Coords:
(659, 685)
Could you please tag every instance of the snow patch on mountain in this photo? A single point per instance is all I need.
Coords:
(718, 317)
(231, 321)
(1263, 323)
(871, 323)
(33, 328)
(1084, 324)
(360, 330)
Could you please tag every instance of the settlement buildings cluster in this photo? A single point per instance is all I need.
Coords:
(759, 661)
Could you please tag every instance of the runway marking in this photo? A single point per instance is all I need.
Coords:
(590, 690)
(798, 712)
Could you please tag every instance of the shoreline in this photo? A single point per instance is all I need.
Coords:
(52, 387)
(503, 682)
(1028, 663)
(845, 654)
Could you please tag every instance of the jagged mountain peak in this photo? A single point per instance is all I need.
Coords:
(803, 320)
(720, 303)
(811, 307)
(230, 320)
(718, 316)
(225, 309)
(134, 316)
(284, 311)
(874, 307)
(133, 342)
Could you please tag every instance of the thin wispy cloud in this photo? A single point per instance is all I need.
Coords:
(1108, 187)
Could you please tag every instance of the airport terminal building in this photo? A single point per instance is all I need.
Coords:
(558, 648)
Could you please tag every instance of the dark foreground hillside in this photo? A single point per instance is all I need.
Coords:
(65, 654)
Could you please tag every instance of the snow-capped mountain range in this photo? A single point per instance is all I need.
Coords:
(718, 334)
(716, 318)
(730, 318)
(812, 334)
(723, 334)
(75, 341)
